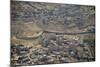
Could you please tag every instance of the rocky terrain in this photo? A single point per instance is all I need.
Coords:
(49, 33)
